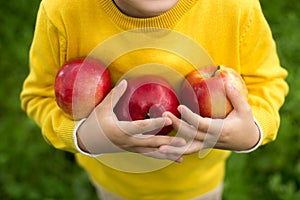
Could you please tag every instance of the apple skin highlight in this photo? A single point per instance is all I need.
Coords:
(203, 90)
(80, 85)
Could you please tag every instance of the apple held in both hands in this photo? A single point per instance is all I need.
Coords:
(203, 90)
(148, 96)
(80, 85)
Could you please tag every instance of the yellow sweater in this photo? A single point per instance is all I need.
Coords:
(233, 32)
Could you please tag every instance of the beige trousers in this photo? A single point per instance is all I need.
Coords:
(215, 194)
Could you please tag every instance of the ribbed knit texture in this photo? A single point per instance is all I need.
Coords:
(233, 33)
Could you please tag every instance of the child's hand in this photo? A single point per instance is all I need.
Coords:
(102, 132)
(237, 131)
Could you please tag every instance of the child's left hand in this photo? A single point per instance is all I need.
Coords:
(237, 131)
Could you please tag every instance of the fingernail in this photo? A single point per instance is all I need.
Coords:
(165, 114)
(168, 121)
(122, 83)
(178, 141)
(179, 160)
(162, 149)
(181, 108)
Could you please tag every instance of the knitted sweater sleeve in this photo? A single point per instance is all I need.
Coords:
(261, 69)
(47, 53)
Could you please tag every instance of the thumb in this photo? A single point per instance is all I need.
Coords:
(116, 93)
(236, 98)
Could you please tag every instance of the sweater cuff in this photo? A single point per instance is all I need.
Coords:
(259, 141)
(78, 124)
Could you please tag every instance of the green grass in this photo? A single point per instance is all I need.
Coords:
(32, 169)
(29, 167)
(273, 171)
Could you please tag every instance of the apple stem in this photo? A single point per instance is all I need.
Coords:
(218, 68)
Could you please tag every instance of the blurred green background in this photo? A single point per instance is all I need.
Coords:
(31, 169)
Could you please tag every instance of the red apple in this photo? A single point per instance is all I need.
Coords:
(80, 85)
(203, 90)
(146, 97)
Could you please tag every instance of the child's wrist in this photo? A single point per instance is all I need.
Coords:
(81, 148)
(259, 141)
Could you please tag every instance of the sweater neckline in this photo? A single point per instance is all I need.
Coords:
(165, 20)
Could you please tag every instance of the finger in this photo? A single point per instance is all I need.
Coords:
(236, 98)
(116, 93)
(190, 148)
(204, 124)
(176, 122)
(154, 153)
(184, 129)
(172, 157)
(194, 119)
(143, 126)
(156, 141)
(209, 130)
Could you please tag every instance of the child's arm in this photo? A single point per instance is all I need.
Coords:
(48, 52)
(253, 122)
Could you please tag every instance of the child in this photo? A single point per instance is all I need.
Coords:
(122, 163)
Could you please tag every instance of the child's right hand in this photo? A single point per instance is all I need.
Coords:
(102, 132)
